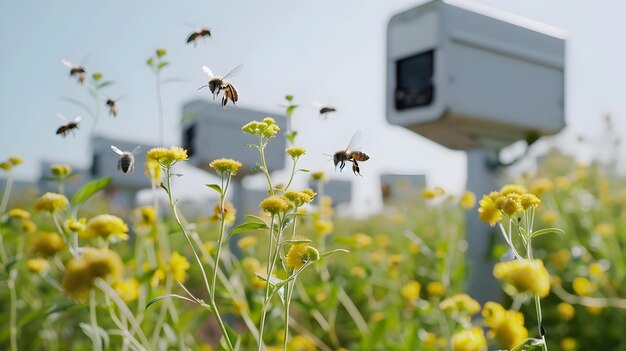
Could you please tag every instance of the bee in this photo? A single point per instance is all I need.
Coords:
(75, 70)
(217, 84)
(324, 110)
(69, 126)
(126, 163)
(349, 155)
(197, 35)
(112, 105)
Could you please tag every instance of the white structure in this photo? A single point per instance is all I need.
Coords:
(476, 79)
(467, 76)
(401, 186)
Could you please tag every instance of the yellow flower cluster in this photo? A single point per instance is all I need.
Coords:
(106, 226)
(583, 287)
(435, 289)
(19, 213)
(506, 325)
(10, 163)
(147, 216)
(37, 265)
(267, 128)
(153, 171)
(167, 157)
(94, 263)
(472, 339)
(318, 176)
(127, 289)
(411, 290)
(76, 225)
(566, 311)
(295, 152)
(510, 200)
(274, 205)
(524, 276)
(323, 227)
(178, 266)
(467, 201)
(51, 203)
(299, 198)
(460, 303)
(301, 254)
(432, 193)
(302, 343)
(225, 165)
(46, 244)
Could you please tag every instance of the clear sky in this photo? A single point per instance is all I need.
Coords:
(329, 51)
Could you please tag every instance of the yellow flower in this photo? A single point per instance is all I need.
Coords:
(382, 241)
(153, 171)
(225, 165)
(540, 186)
(60, 170)
(488, 213)
(569, 344)
(239, 306)
(512, 189)
(74, 225)
(247, 242)
(596, 270)
(295, 152)
(469, 340)
(594, 309)
(178, 266)
(507, 326)
(467, 200)
(206, 347)
(361, 240)
(51, 203)
(432, 193)
(377, 317)
(562, 182)
(157, 276)
(229, 210)
(550, 217)
(274, 205)
(209, 246)
(29, 226)
(167, 157)
(411, 291)
(511, 204)
(358, 272)
(301, 343)
(5, 166)
(128, 289)
(435, 289)
(460, 303)
(321, 297)
(81, 272)
(318, 176)
(46, 244)
(323, 227)
(15, 160)
(583, 287)
(19, 213)
(251, 264)
(560, 258)
(529, 201)
(267, 128)
(301, 254)
(395, 260)
(566, 311)
(414, 249)
(105, 226)
(604, 229)
(525, 276)
(37, 265)
(298, 198)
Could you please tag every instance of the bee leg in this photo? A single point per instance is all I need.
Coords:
(343, 164)
(355, 168)
(224, 101)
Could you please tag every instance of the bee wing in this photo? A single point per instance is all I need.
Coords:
(354, 141)
(233, 72)
(77, 119)
(136, 149)
(317, 104)
(61, 117)
(67, 63)
(208, 71)
(117, 151)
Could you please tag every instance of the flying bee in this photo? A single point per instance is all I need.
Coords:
(197, 35)
(126, 163)
(112, 106)
(75, 70)
(350, 155)
(69, 126)
(324, 110)
(217, 84)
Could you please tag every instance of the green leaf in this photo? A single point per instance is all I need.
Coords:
(232, 336)
(215, 187)
(330, 253)
(547, 231)
(105, 84)
(10, 263)
(189, 116)
(89, 189)
(162, 65)
(290, 110)
(291, 136)
(97, 76)
(159, 298)
(529, 345)
(252, 218)
(247, 227)
(161, 52)
(146, 275)
(304, 170)
(289, 97)
(150, 61)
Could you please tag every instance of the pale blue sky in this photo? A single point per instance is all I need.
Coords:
(323, 50)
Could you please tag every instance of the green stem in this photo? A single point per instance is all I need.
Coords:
(7, 193)
(536, 297)
(216, 313)
(13, 317)
(221, 238)
(290, 285)
(293, 173)
(270, 268)
(159, 106)
(95, 336)
(264, 165)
